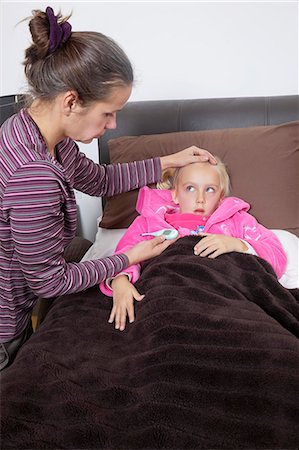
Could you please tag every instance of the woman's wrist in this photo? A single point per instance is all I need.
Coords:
(166, 162)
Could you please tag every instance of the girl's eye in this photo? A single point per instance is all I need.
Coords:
(210, 189)
(108, 114)
(190, 188)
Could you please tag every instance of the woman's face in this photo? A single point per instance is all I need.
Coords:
(90, 122)
(197, 189)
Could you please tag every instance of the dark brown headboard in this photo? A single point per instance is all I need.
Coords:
(165, 116)
(9, 104)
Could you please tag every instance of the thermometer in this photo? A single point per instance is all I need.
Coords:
(170, 233)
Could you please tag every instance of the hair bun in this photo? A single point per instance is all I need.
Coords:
(59, 33)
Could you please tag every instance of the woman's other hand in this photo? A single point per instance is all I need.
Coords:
(124, 294)
(189, 155)
(147, 249)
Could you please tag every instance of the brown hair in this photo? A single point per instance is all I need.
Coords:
(89, 62)
(170, 177)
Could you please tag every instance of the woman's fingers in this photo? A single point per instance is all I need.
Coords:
(187, 156)
(204, 155)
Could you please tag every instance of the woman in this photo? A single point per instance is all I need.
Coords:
(77, 83)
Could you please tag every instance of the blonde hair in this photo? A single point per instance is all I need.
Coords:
(170, 177)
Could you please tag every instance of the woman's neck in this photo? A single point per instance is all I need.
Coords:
(45, 116)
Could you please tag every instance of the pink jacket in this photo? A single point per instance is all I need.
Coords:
(231, 218)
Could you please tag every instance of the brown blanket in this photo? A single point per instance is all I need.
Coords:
(211, 362)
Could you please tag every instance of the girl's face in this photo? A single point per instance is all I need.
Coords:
(90, 122)
(197, 189)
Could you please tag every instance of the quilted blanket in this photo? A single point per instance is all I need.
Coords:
(211, 362)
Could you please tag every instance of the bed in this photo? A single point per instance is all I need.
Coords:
(212, 359)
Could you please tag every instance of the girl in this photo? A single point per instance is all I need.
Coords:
(197, 204)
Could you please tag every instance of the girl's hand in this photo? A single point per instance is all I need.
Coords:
(189, 155)
(147, 249)
(213, 245)
(124, 294)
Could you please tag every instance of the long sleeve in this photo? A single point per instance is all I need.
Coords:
(107, 180)
(264, 242)
(41, 212)
(232, 219)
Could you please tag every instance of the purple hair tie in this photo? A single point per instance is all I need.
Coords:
(59, 33)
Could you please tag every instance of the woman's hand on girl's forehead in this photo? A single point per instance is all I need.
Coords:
(189, 155)
(204, 155)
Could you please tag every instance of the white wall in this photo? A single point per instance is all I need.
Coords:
(178, 50)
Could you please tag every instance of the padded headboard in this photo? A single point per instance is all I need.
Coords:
(166, 116)
(9, 104)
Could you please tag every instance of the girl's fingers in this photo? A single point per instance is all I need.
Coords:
(117, 320)
(215, 254)
(123, 319)
(199, 248)
(120, 322)
(112, 315)
(137, 296)
(207, 250)
(121, 312)
(131, 313)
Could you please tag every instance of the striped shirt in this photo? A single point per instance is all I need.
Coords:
(38, 217)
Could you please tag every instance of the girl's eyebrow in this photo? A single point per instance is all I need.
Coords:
(196, 182)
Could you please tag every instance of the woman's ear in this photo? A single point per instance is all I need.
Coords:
(70, 102)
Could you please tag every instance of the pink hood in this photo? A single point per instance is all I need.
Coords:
(154, 203)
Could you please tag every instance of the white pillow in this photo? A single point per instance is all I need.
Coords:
(105, 243)
(107, 239)
(290, 244)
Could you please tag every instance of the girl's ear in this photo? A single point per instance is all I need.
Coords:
(222, 197)
(174, 196)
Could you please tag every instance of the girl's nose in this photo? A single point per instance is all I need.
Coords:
(200, 197)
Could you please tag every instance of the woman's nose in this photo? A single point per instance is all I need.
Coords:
(111, 124)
